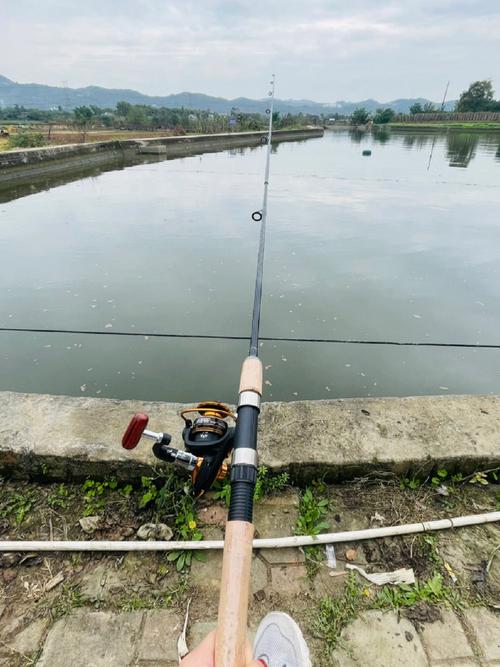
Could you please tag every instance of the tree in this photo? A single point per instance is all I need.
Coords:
(82, 117)
(429, 108)
(360, 116)
(136, 117)
(277, 120)
(478, 97)
(122, 109)
(383, 116)
(416, 108)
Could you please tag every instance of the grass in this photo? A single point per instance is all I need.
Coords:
(267, 484)
(479, 125)
(336, 612)
(162, 600)
(70, 598)
(432, 591)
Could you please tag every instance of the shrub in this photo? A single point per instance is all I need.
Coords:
(26, 140)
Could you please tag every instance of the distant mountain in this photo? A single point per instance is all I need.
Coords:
(38, 96)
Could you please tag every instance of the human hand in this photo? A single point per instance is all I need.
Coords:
(204, 655)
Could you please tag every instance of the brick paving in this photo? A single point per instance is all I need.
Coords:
(103, 634)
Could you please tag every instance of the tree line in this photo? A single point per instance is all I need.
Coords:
(126, 116)
(479, 96)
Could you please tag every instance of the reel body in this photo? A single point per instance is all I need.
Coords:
(208, 440)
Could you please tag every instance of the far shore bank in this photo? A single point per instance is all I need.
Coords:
(23, 165)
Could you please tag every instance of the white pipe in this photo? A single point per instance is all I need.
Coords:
(267, 543)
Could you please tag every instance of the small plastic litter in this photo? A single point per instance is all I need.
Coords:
(182, 648)
(401, 576)
(450, 572)
(331, 560)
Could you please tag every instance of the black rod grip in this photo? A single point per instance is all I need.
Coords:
(243, 477)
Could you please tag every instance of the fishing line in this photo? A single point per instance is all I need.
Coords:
(279, 339)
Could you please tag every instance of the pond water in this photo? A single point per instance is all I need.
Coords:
(402, 245)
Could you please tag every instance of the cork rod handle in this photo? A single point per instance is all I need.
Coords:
(230, 643)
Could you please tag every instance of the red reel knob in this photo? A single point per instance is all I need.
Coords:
(134, 430)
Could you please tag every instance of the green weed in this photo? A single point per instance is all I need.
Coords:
(432, 591)
(96, 494)
(69, 598)
(60, 497)
(479, 478)
(18, 505)
(411, 483)
(161, 600)
(267, 484)
(312, 512)
(335, 613)
(311, 521)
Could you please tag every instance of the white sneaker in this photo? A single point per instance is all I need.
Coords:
(279, 642)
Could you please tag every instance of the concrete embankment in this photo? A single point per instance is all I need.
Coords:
(21, 165)
(62, 437)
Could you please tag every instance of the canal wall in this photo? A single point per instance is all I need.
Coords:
(21, 165)
(63, 437)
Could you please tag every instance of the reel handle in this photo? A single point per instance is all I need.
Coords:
(134, 431)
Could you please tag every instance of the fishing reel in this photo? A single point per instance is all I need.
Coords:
(208, 440)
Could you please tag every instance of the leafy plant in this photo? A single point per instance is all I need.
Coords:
(186, 529)
(223, 491)
(311, 521)
(411, 483)
(94, 494)
(479, 478)
(18, 505)
(266, 485)
(148, 490)
(59, 497)
(312, 512)
(439, 477)
(432, 591)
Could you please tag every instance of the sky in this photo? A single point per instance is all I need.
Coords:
(324, 50)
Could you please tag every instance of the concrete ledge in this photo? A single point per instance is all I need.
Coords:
(62, 437)
(21, 164)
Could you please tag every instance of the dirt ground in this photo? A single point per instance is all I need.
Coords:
(46, 587)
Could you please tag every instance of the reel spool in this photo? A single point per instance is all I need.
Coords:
(208, 440)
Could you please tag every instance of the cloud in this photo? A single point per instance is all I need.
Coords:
(326, 51)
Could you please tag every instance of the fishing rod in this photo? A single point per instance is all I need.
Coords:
(211, 432)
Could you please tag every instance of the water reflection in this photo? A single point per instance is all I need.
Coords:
(461, 148)
(382, 135)
(357, 136)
